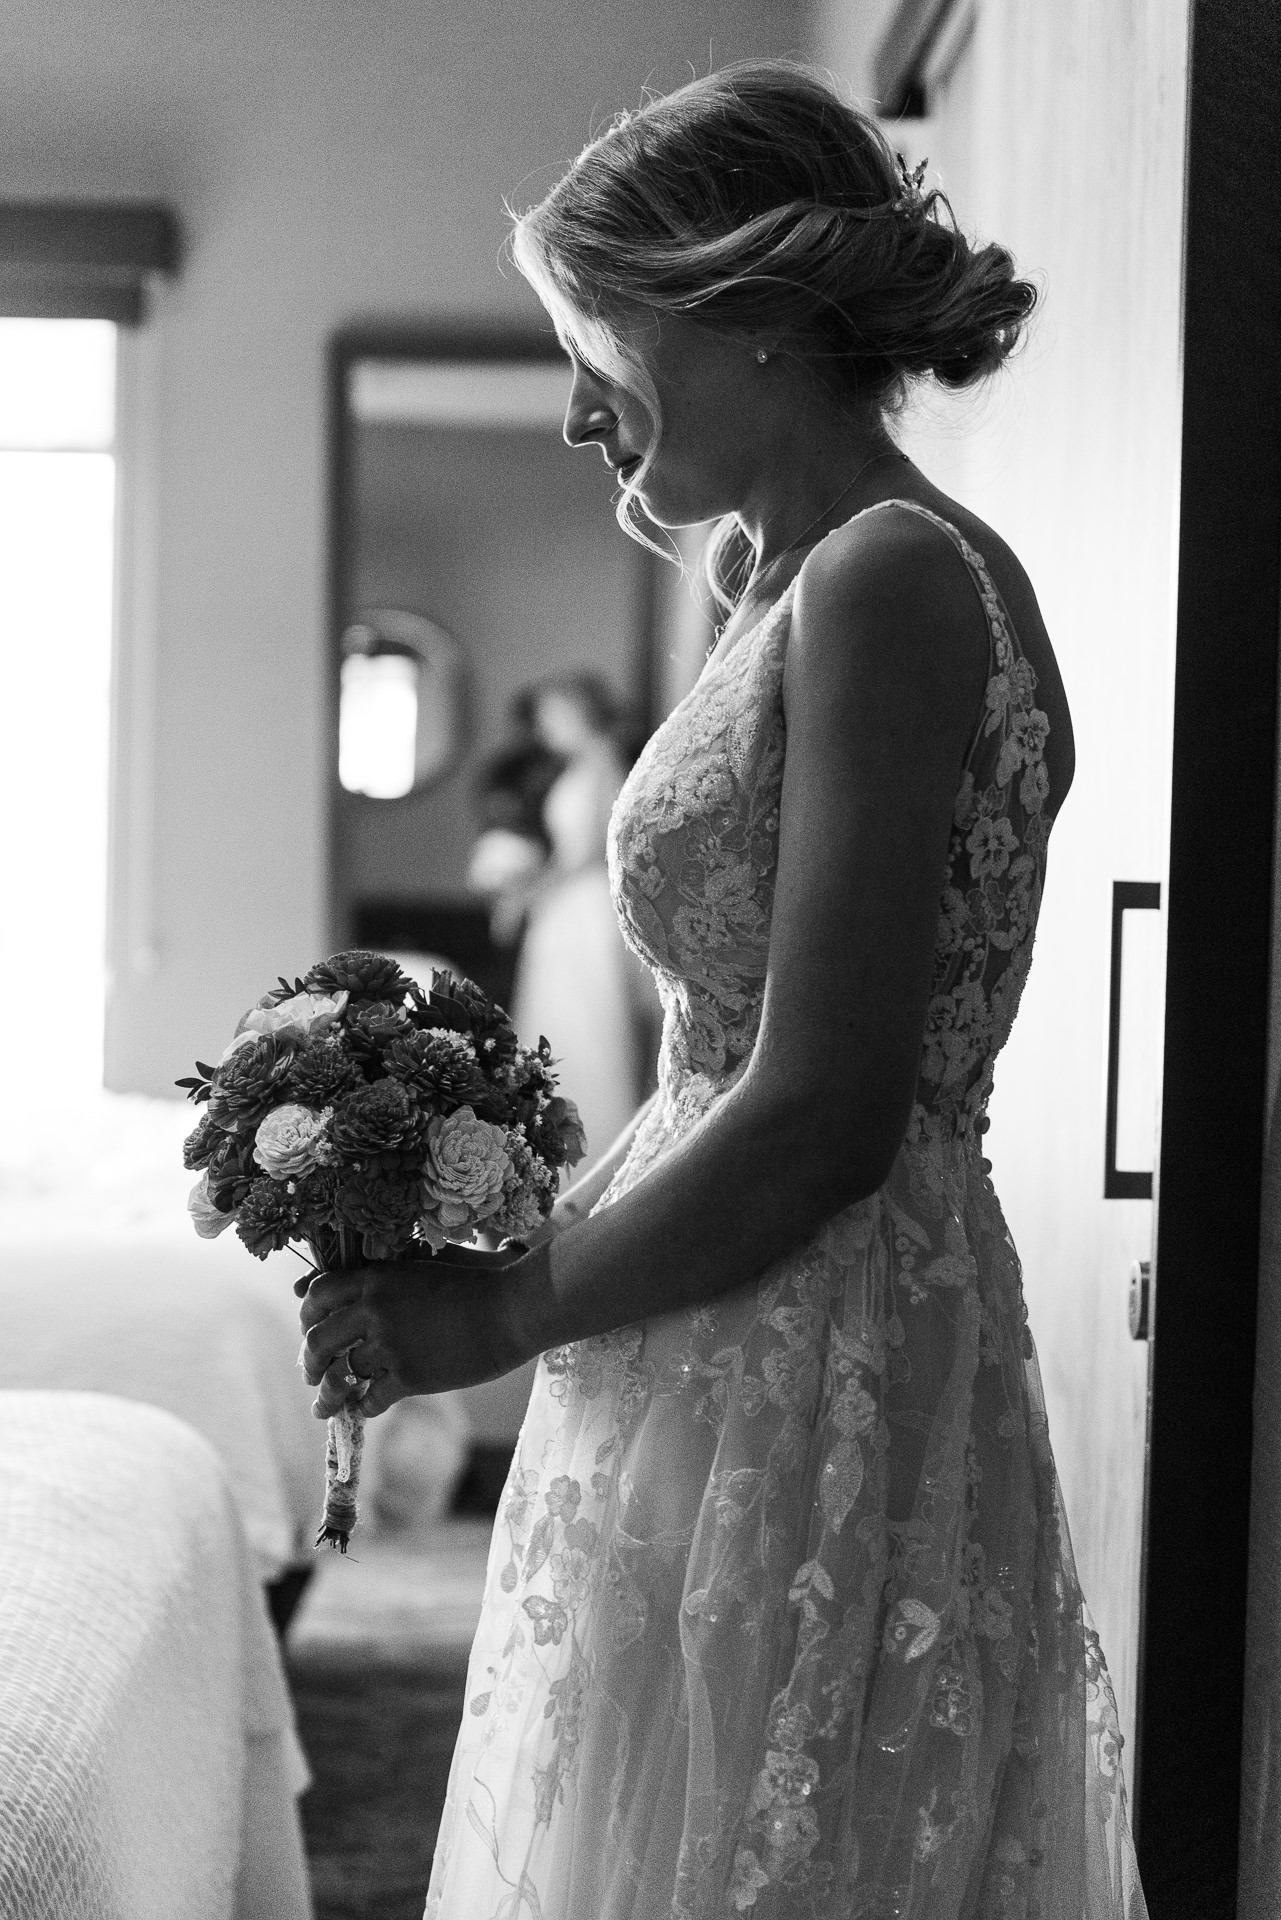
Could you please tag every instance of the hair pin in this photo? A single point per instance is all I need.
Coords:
(913, 179)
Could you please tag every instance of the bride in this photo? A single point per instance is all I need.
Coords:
(781, 1617)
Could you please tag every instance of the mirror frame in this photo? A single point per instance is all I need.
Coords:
(500, 343)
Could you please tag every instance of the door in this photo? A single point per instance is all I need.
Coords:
(1060, 132)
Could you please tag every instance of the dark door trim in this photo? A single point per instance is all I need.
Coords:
(1219, 923)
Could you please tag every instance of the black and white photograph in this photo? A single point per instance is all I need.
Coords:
(640, 960)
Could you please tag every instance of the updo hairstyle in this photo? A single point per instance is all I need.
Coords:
(757, 202)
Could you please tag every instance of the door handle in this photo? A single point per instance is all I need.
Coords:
(1120, 1183)
(1140, 1301)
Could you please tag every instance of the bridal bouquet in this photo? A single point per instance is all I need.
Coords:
(363, 1118)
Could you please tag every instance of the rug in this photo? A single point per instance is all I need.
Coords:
(377, 1659)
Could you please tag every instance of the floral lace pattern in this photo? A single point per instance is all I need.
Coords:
(781, 1618)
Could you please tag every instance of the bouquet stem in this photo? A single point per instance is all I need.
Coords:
(346, 1428)
(342, 1477)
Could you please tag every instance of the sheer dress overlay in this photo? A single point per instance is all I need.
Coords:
(781, 1617)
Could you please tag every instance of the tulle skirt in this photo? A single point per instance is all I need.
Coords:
(781, 1617)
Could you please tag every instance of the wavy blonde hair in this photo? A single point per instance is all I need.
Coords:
(758, 202)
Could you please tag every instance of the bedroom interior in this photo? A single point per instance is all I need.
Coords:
(283, 496)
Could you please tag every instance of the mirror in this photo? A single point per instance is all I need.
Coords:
(473, 555)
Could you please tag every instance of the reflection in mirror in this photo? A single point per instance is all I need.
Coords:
(403, 704)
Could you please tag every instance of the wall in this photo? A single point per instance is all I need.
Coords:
(1061, 134)
(329, 162)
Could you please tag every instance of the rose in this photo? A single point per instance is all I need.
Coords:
(300, 1017)
(209, 1220)
(291, 1141)
(466, 1166)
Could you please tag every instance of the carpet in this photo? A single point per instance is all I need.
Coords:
(377, 1659)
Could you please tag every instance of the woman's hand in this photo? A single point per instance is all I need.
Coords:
(414, 1326)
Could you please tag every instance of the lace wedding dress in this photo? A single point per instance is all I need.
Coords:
(781, 1617)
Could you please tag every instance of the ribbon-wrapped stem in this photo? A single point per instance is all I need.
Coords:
(346, 1428)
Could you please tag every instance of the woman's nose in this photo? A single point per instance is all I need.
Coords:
(588, 415)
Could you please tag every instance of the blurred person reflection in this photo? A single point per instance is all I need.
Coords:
(575, 979)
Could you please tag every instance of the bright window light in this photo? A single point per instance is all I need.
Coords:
(58, 385)
(378, 724)
(57, 510)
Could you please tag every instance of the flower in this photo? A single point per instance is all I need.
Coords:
(374, 1024)
(302, 1015)
(246, 1083)
(267, 1217)
(440, 1065)
(321, 1070)
(459, 1003)
(466, 1164)
(571, 1573)
(558, 1132)
(749, 1878)
(990, 843)
(200, 1143)
(382, 1206)
(291, 1141)
(529, 1190)
(378, 1124)
(363, 975)
(231, 1170)
(207, 1216)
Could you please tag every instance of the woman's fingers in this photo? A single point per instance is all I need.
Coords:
(330, 1337)
(333, 1390)
(328, 1291)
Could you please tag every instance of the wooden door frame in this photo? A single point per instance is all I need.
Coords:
(1185, 1776)
(1219, 932)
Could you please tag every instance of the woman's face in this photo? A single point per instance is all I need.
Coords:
(715, 408)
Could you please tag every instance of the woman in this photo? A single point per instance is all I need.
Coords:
(575, 979)
(781, 1617)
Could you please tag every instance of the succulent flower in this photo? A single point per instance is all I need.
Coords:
(363, 975)
(248, 1082)
(374, 1024)
(378, 1125)
(465, 1166)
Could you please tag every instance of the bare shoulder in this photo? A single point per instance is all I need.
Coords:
(887, 596)
(891, 591)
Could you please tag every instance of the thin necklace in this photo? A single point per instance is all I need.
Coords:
(753, 585)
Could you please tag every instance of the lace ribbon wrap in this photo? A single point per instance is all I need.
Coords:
(781, 1616)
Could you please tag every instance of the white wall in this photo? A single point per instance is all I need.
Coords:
(330, 161)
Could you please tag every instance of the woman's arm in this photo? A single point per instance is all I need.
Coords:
(577, 1201)
(885, 674)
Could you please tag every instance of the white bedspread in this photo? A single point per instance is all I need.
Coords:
(148, 1763)
(198, 1329)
